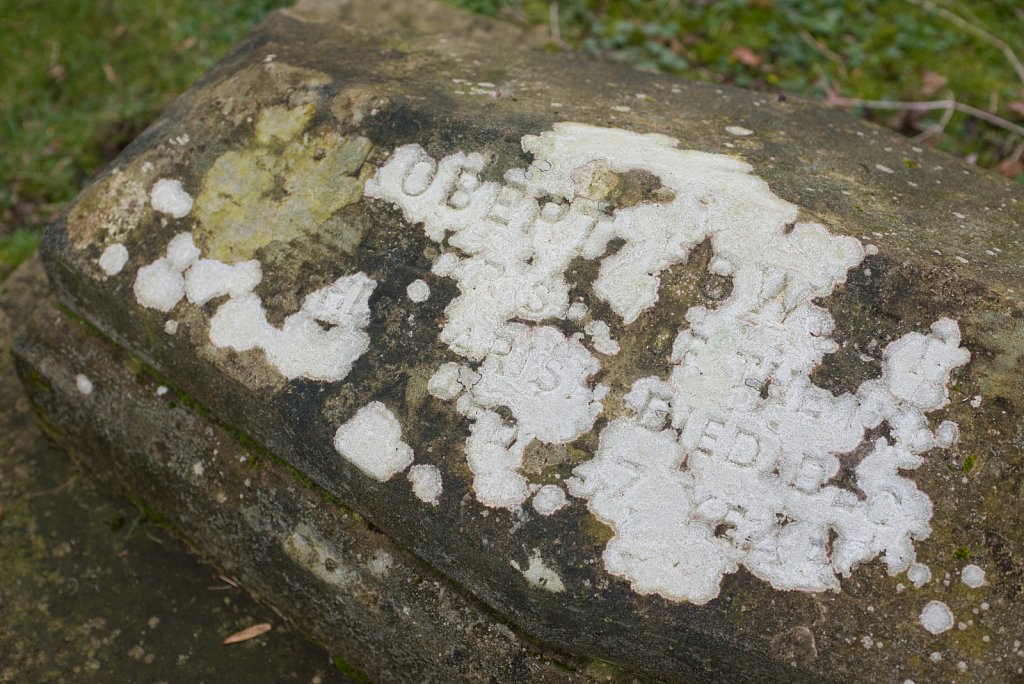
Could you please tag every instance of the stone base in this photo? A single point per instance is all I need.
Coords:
(285, 540)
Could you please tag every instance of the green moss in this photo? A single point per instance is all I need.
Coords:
(969, 463)
(156, 517)
(349, 671)
(962, 553)
(82, 78)
(35, 378)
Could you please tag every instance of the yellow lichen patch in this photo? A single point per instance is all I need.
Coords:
(111, 207)
(282, 124)
(256, 196)
(245, 93)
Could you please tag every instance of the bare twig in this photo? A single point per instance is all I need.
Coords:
(53, 490)
(947, 115)
(556, 29)
(824, 50)
(229, 580)
(1018, 153)
(836, 100)
(977, 31)
(937, 129)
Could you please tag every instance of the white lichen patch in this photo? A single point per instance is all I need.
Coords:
(83, 384)
(372, 441)
(168, 196)
(540, 576)
(208, 279)
(549, 499)
(426, 483)
(936, 617)
(600, 333)
(973, 576)
(113, 259)
(542, 378)
(161, 284)
(306, 546)
(321, 341)
(738, 130)
(727, 459)
(381, 563)
(418, 291)
(919, 574)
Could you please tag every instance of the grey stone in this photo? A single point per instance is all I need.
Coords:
(91, 589)
(828, 343)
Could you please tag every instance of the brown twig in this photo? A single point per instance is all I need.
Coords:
(53, 490)
(824, 51)
(836, 100)
(555, 27)
(1018, 152)
(938, 128)
(977, 31)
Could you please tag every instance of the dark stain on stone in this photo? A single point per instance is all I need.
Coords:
(638, 186)
(1009, 564)
(795, 646)
(496, 137)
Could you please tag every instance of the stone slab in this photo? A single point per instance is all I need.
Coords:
(772, 353)
(288, 542)
(90, 589)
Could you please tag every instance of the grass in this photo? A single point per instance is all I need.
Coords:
(81, 78)
(15, 247)
(898, 50)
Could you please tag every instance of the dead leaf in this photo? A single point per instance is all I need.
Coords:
(52, 147)
(1016, 107)
(110, 74)
(746, 57)
(248, 633)
(185, 45)
(1011, 168)
(932, 83)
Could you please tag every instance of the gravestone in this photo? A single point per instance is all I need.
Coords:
(479, 362)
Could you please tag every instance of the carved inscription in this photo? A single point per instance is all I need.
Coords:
(725, 460)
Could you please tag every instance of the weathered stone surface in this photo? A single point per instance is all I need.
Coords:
(693, 381)
(378, 608)
(90, 588)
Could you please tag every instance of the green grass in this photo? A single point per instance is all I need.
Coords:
(81, 78)
(867, 49)
(15, 247)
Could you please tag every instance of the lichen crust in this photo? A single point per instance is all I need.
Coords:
(730, 457)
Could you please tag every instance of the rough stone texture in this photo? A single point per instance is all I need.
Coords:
(375, 606)
(308, 98)
(91, 590)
